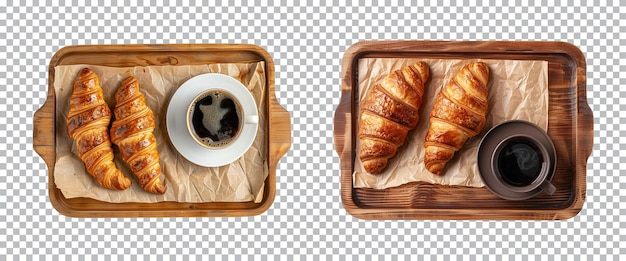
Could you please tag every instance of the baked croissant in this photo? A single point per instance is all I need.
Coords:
(458, 114)
(87, 123)
(132, 133)
(388, 112)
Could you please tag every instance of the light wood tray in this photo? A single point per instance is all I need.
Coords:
(279, 133)
(570, 125)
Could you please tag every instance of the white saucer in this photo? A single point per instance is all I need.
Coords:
(176, 120)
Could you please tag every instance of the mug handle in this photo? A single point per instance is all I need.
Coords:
(547, 187)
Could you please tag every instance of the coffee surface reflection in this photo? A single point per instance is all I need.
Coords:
(520, 163)
(216, 119)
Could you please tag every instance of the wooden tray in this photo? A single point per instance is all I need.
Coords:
(279, 135)
(570, 125)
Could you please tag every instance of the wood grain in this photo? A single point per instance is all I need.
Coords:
(279, 134)
(570, 126)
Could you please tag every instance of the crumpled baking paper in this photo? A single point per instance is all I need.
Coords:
(518, 89)
(240, 181)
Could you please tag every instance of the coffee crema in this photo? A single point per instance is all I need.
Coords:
(520, 162)
(216, 118)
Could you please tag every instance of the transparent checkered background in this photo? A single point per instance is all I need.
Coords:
(307, 44)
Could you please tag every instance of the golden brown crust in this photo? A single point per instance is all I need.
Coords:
(443, 134)
(96, 115)
(379, 103)
(376, 127)
(434, 155)
(131, 126)
(132, 133)
(83, 101)
(459, 113)
(87, 123)
(372, 149)
(388, 112)
(131, 107)
(455, 92)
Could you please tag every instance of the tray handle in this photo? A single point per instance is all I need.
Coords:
(342, 126)
(585, 124)
(585, 119)
(281, 132)
(43, 130)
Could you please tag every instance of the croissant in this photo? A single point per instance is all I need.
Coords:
(388, 112)
(87, 124)
(458, 114)
(132, 133)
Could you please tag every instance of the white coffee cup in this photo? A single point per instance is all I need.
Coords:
(180, 125)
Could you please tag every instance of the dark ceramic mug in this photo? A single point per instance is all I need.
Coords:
(516, 160)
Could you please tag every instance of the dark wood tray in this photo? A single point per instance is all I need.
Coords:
(279, 134)
(570, 125)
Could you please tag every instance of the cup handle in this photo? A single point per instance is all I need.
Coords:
(547, 187)
(252, 119)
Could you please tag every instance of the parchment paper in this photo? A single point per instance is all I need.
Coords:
(517, 90)
(240, 181)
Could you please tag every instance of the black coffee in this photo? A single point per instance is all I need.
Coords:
(520, 163)
(215, 119)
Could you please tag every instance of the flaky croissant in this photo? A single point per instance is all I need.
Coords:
(459, 113)
(388, 112)
(87, 123)
(132, 133)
